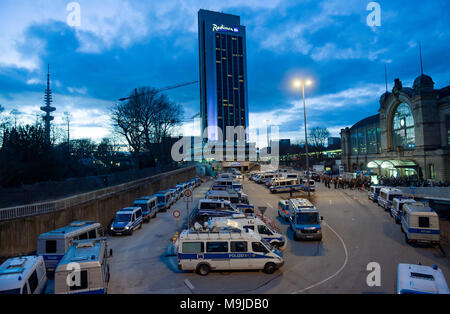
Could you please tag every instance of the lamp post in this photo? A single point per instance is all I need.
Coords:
(302, 85)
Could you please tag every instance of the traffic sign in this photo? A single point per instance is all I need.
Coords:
(176, 214)
(188, 193)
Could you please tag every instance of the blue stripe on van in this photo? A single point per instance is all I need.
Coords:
(213, 256)
(424, 231)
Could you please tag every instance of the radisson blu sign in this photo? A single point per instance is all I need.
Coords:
(223, 28)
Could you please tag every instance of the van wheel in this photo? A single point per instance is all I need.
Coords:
(140, 226)
(203, 269)
(406, 238)
(270, 268)
(295, 236)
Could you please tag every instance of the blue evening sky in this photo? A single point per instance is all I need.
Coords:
(121, 45)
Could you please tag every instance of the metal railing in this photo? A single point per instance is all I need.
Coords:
(65, 203)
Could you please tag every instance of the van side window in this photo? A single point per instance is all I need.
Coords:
(33, 282)
(25, 289)
(216, 247)
(83, 282)
(83, 236)
(258, 247)
(50, 246)
(240, 246)
(138, 213)
(193, 247)
(424, 222)
(264, 230)
(250, 227)
(93, 234)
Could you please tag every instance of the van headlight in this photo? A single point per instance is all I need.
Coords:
(112, 228)
(127, 228)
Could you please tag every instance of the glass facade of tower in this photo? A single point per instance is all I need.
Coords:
(223, 72)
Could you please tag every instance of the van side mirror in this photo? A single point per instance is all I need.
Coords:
(321, 218)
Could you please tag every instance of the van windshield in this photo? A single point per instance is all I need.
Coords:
(308, 219)
(161, 199)
(122, 218)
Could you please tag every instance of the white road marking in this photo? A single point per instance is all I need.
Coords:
(336, 273)
(269, 205)
(188, 284)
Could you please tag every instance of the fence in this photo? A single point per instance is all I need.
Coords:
(62, 204)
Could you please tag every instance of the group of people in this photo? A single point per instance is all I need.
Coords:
(413, 180)
(341, 183)
(363, 183)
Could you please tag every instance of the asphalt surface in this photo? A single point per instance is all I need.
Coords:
(356, 232)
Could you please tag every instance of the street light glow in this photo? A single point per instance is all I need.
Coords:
(299, 83)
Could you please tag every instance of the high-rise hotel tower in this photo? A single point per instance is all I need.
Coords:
(223, 72)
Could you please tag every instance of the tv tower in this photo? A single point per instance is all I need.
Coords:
(48, 108)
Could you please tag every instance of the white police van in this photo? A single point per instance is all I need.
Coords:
(149, 206)
(207, 208)
(283, 209)
(420, 279)
(126, 221)
(373, 192)
(254, 223)
(285, 185)
(225, 249)
(397, 207)
(420, 223)
(239, 199)
(84, 269)
(311, 185)
(23, 275)
(304, 220)
(54, 244)
(165, 199)
(386, 197)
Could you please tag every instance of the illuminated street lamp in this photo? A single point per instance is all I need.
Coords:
(298, 83)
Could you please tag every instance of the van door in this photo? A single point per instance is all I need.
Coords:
(217, 255)
(257, 259)
(239, 255)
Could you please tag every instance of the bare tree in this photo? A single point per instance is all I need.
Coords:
(319, 137)
(146, 119)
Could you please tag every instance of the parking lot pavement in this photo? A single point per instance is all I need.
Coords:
(139, 263)
(355, 233)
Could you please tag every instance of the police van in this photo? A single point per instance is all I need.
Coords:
(54, 244)
(420, 223)
(207, 208)
(304, 220)
(283, 209)
(285, 185)
(397, 207)
(180, 188)
(23, 275)
(261, 179)
(239, 199)
(254, 223)
(386, 197)
(84, 269)
(226, 249)
(311, 185)
(420, 279)
(126, 221)
(165, 199)
(149, 206)
(373, 192)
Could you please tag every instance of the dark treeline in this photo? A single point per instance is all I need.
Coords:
(145, 123)
(26, 158)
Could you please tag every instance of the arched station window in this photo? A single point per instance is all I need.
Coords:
(403, 134)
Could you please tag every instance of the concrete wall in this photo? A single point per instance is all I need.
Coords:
(20, 236)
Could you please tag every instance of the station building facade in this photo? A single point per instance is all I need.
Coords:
(409, 136)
